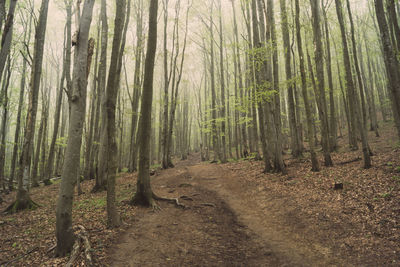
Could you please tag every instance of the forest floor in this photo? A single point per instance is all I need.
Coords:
(235, 216)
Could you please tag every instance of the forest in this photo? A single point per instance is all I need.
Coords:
(200, 133)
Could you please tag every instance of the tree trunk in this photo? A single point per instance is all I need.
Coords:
(4, 101)
(113, 81)
(309, 113)
(50, 161)
(295, 145)
(350, 87)
(144, 193)
(77, 100)
(391, 62)
(23, 200)
(101, 178)
(332, 117)
(222, 86)
(320, 92)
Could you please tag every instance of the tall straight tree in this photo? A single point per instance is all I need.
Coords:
(307, 104)
(7, 35)
(214, 132)
(320, 92)
(136, 87)
(50, 161)
(392, 63)
(4, 98)
(296, 145)
(222, 85)
(144, 194)
(101, 182)
(108, 129)
(279, 165)
(332, 117)
(77, 100)
(23, 200)
(353, 97)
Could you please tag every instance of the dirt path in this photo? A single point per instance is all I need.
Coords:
(225, 224)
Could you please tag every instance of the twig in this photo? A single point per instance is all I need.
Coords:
(51, 248)
(20, 257)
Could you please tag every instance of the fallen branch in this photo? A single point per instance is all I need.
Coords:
(51, 248)
(349, 161)
(20, 257)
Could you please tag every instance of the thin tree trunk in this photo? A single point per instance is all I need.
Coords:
(309, 114)
(295, 145)
(320, 92)
(350, 87)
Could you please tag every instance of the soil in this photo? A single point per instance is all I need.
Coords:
(237, 216)
(234, 215)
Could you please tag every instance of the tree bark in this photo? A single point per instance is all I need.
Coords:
(350, 87)
(320, 92)
(309, 114)
(23, 200)
(144, 193)
(77, 99)
(109, 130)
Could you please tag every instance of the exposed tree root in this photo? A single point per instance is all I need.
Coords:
(74, 253)
(171, 200)
(187, 198)
(82, 239)
(21, 204)
(208, 205)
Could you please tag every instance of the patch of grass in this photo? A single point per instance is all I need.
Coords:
(155, 166)
(385, 195)
(397, 144)
(91, 203)
(389, 164)
(124, 170)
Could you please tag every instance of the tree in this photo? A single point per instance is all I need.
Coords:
(108, 129)
(294, 134)
(353, 97)
(309, 114)
(391, 61)
(320, 92)
(23, 200)
(144, 194)
(101, 181)
(77, 99)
